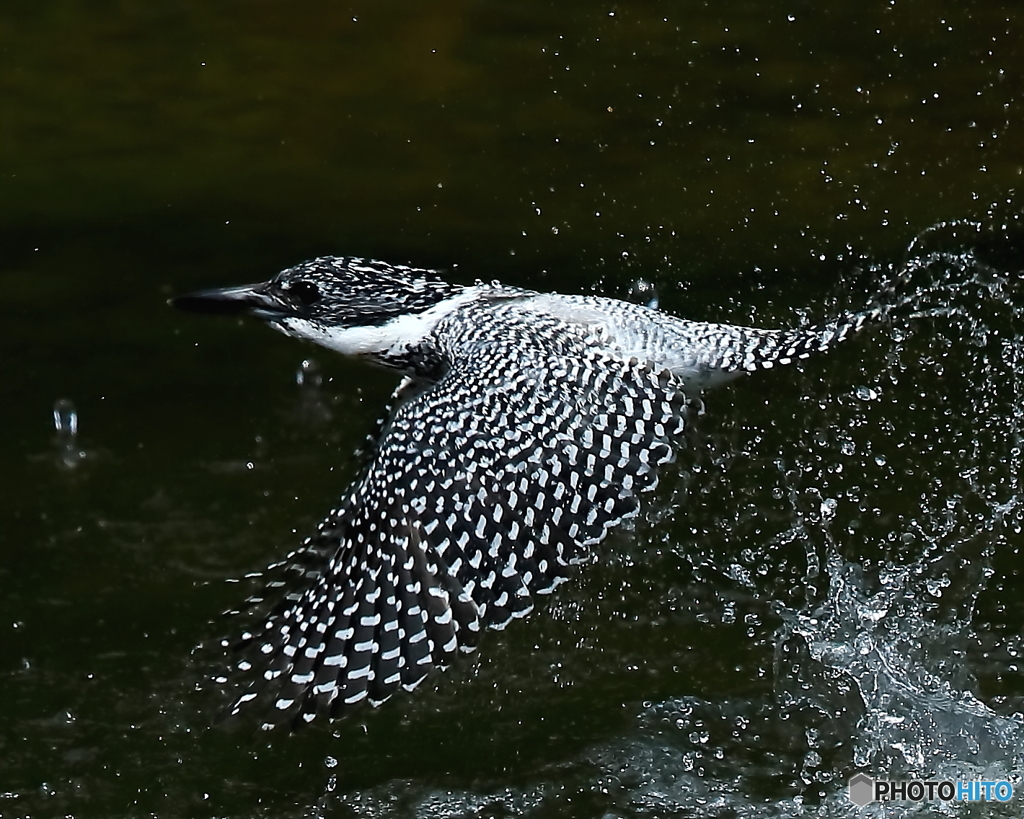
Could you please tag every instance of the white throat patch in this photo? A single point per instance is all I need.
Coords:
(402, 331)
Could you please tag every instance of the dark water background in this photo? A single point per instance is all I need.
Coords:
(830, 581)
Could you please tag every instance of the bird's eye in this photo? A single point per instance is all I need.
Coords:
(306, 292)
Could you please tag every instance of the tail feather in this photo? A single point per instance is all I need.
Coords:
(781, 347)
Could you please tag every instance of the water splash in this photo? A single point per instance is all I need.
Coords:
(644, 292)
(65, 422)
(920, 718)
(308, 375)
(313, 409)
(879, 647)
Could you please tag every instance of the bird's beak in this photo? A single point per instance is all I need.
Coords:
(248, 299)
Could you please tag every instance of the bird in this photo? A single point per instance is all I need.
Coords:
(524, 427)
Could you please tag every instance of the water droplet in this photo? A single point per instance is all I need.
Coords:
(645, 291)
(828, 508)
(309, 374)
(65, 422)
(65, 419)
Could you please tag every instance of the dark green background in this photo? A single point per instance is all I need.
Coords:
(761, 162)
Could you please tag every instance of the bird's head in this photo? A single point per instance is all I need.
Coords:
(348, 304)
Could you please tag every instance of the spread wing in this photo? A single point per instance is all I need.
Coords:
(484, 489)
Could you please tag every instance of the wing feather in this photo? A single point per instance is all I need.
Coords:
(483, 490)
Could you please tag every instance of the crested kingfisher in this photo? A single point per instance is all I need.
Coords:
(526, 425)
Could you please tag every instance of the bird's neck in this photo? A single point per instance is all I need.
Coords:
(389, 343)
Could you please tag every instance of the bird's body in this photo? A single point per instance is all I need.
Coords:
(527, 425)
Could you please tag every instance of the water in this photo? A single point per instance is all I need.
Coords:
(827, 583)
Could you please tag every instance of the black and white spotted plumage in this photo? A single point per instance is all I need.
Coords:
(527, 426)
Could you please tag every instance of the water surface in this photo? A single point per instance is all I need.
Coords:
(827, 582)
